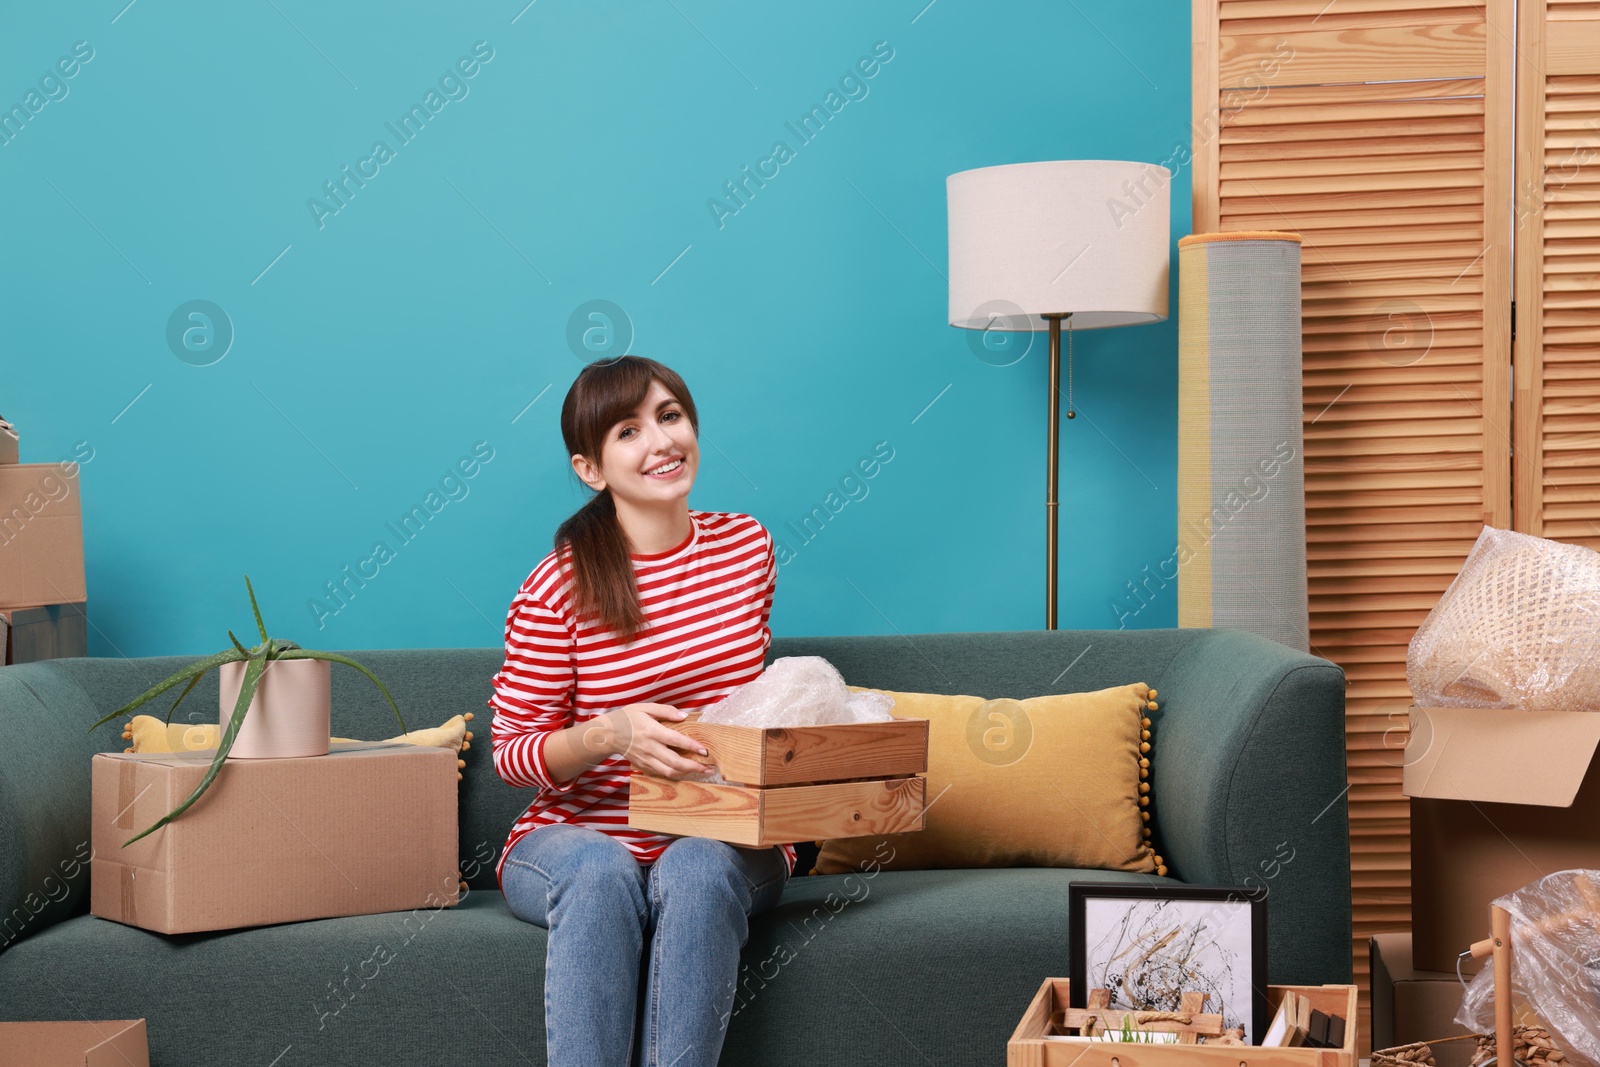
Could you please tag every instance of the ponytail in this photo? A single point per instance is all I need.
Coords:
(595, 550)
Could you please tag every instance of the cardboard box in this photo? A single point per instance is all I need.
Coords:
(1036, 1041)
(50, 631)
(1499, 799)
(370, 827)
(109, 1043)
(8, 443)
(801, 783)
(41, 536)
(1410, 1005)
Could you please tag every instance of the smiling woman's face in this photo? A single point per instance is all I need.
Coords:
(654, 436)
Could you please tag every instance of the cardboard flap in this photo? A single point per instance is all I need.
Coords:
(128, 1048)
(77, 1043)
(1499, 756)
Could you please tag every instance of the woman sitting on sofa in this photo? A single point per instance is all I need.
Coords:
(644, 609)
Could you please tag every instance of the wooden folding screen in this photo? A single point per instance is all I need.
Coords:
(1557, 491)
(1380, 130)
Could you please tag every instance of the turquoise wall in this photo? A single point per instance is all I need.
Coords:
(352, 350)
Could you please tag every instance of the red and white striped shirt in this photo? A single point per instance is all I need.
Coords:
(708, 602)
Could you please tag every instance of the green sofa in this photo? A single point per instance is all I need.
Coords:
(902, 967)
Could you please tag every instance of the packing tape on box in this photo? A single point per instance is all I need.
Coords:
(125, 784)
(130, 912)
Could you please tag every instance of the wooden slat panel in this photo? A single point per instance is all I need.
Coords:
(1558, 350)
(1314, 9)
(1383, 136)
(1314, 118)
(1573, 84)
(1206, 105)
(1571, 48)
(1316, 185)
(1314, 149)
(1285, 95)
(1336, 20)
(1279, 168)
(1355, 129)
(1468, 217)
(1578, 113)
(1445, 50)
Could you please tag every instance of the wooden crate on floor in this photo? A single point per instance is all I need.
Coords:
(787, 784)
(1032, 1043)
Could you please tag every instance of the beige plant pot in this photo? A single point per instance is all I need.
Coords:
(289, 715)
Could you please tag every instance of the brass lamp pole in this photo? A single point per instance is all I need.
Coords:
(1052, 468)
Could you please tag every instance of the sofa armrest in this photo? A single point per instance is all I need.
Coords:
(44, 797)
(1248, 788)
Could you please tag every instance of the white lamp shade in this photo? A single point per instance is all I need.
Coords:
(1085, 237)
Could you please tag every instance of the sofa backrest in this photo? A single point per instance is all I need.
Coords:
(44, 772)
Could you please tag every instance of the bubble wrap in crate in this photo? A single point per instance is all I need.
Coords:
(1518, 628)
(794, 691)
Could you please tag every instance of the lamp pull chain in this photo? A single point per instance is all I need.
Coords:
(1070, 413)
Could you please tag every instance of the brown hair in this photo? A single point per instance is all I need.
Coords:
(591, 542)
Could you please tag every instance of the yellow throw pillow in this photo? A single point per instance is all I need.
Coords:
(1052, 781)
(146, 733)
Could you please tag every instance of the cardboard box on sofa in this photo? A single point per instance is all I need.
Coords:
(1499, 798)
(81, 1043)
(50, 631)
(370, 827)
(1410, 1005)
(41, 536)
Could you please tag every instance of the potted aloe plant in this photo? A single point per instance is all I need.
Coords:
(255, 661)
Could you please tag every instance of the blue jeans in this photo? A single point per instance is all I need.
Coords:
(602, 907)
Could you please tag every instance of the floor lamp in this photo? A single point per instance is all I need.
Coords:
(1037, 245)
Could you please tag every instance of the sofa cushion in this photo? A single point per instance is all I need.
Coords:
(1050, 781)
(456, 985)
(906, 967)
(938, 961)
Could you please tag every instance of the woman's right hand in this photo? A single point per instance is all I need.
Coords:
(638, 735)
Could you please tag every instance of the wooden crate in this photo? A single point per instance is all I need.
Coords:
(1030, 1047)
(800, 783)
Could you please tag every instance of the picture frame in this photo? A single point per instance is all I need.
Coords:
(1149, 943)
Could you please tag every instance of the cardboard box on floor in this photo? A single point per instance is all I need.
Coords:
(106, 1043)
(1499, 798)
(41, 535)
(370, 827)
(50, 631)
(1410, 1005)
